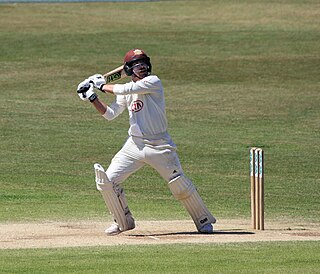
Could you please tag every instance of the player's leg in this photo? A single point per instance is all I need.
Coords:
(167, 163)
(115, 200)
(184, 191)
(109, 184)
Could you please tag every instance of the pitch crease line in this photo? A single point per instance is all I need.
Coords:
(154, 238)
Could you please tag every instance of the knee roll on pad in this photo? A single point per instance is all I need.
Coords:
(184, 191)
(102, 181)
(114, 198)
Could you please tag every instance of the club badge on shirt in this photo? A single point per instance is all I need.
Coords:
(136, 106)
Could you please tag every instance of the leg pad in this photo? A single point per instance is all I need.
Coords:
(115, 199)
(184, 191)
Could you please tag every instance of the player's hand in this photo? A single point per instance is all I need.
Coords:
(97, 80)
(85, 91)
(83, 86)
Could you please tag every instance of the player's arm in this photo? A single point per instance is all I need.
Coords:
(86, 93)
(150, 84)
(107, 88)
(100, 106)
(111, 111)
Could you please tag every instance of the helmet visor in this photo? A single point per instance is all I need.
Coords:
(139, 67)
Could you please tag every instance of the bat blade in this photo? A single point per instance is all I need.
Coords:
(115, 75)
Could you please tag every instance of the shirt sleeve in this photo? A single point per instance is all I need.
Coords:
(115, 108)
(149, 84)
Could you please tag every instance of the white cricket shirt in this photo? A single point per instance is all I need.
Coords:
(145, 102)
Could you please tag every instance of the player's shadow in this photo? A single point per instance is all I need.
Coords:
(216, 232)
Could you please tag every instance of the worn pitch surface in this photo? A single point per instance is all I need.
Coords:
(91, 233)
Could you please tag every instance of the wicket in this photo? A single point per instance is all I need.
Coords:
(257, 188)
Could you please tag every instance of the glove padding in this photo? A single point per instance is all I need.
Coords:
(97, 80)
(85, 91)
(83, 86)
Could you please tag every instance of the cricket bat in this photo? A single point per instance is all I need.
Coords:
(114, 75)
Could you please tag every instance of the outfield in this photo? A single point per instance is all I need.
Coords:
(235, 74)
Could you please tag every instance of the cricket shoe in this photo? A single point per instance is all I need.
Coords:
(206, 229)
(115, 230)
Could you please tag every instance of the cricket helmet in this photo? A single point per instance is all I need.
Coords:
(132, 56)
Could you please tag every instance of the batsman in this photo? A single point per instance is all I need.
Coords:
(148, 143)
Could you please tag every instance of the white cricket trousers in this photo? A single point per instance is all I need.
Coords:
(136, 152)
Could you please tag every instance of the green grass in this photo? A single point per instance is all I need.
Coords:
(278, 257)
(236, 75)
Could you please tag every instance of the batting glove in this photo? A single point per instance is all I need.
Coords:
(83, 86)
(97, 80)
(85, 91)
